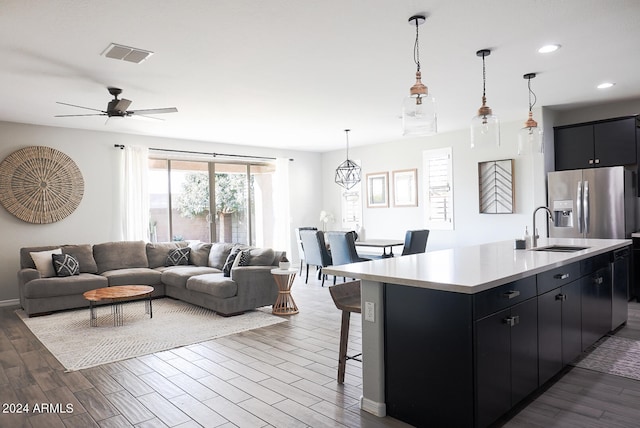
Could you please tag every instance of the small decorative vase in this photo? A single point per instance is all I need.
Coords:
(285, 265)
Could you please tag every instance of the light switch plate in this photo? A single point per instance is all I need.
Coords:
(369, 311)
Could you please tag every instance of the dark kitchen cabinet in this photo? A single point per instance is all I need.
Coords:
(559, 329)
(610, 142)
(506, 360)
(596, 305)
(620, 277)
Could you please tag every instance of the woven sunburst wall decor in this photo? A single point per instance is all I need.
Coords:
(40, 185)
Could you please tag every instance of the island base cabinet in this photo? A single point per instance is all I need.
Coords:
(506, 360)
(428, 357)
(559, 329)
(596, 306)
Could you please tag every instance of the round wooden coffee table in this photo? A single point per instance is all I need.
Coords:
(117, 295)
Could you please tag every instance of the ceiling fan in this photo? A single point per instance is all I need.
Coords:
(118, 108)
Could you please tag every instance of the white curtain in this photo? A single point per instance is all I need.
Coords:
(135, 195)
(282, 229)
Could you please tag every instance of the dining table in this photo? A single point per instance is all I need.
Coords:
(381, 243)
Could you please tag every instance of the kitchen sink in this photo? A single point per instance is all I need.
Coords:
(560, 248)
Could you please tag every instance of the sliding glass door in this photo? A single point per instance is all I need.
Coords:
(211, 202)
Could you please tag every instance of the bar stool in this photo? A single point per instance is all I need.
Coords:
(346, 297)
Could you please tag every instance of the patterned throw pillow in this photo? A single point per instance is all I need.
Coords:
(226, 269)
(65, 265)
(245, 257)
(178, 257)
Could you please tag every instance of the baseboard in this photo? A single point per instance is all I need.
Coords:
(373, 407)
(12, 302)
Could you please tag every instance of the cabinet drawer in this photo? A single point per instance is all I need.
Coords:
(558, 277)
(594, 263)
(504, 296)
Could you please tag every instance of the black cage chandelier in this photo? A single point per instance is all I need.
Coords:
(348, 172)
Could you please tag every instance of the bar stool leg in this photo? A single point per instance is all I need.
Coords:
(344, 339)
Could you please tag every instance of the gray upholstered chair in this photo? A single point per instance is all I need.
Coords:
(346, 297)
(300, 246)
(315, 252)
(415, 242)
(343, 249)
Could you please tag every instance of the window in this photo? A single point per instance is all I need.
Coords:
(211, 201)
(438, 187)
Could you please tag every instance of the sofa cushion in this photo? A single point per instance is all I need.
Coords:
(120, 255)
(261, 257)
(218, 254)
(44, 262)
(178, 257)
(65, 265)
(83, 253)
(199, 255)
(132, 276)
(63, 286)
(214, 284)
(157, 252)
(177, 276)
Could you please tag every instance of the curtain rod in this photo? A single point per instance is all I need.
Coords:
(212, 154)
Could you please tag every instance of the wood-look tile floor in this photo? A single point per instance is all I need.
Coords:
(281, 376)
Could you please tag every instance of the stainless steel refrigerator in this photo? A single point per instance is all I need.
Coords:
(593, 203)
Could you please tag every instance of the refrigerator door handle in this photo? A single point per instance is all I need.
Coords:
(579, 206)
(586, 207)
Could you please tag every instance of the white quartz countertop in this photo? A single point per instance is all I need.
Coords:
(475, 268)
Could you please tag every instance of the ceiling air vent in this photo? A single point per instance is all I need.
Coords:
(126, 53)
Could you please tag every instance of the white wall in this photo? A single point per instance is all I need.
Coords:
(471, 227)
(96, 218)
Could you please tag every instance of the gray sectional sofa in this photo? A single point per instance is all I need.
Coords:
(200, 282)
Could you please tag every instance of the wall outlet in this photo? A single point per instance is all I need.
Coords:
(369, 311)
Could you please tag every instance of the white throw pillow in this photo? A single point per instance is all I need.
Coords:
(44, 262)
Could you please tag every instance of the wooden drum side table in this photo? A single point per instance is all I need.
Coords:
(285, 305)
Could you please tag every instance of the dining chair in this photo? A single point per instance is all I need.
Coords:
(343, 249)
(347, 298)
(415, 241)
(315, 252)
(300, 246)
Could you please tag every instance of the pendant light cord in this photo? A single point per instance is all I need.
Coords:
(416, 48)
(346, 131)
(531, 93)
(484, 78)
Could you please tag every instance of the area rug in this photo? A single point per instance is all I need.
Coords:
(613, 355)
(68, 336)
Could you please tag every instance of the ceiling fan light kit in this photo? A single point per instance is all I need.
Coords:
(419, 115)
(485, 126)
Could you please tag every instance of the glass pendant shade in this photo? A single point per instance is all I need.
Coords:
(419, 111)
(530, 138)
(485, 128)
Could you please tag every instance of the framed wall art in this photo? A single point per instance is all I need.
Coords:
(378, 190)
(405, 188)
(496, 193)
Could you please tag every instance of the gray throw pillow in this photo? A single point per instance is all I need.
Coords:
(65, 265)
(178, 257)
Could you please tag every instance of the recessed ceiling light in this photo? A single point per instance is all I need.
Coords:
(605, 85)
(549, 48)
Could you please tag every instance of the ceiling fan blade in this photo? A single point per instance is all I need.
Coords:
(77, 115)
(86, 108)
(153, 111)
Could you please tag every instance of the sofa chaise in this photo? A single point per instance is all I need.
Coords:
(198, 278)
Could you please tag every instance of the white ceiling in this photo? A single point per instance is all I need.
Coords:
(295, 73)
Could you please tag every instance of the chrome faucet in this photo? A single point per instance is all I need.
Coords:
(534, 239)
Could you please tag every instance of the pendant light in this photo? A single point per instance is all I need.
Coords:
(419, 108)
(485, 127)
(530, 137)
(348, 172)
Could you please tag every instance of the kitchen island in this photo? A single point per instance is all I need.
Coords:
(458, 337)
